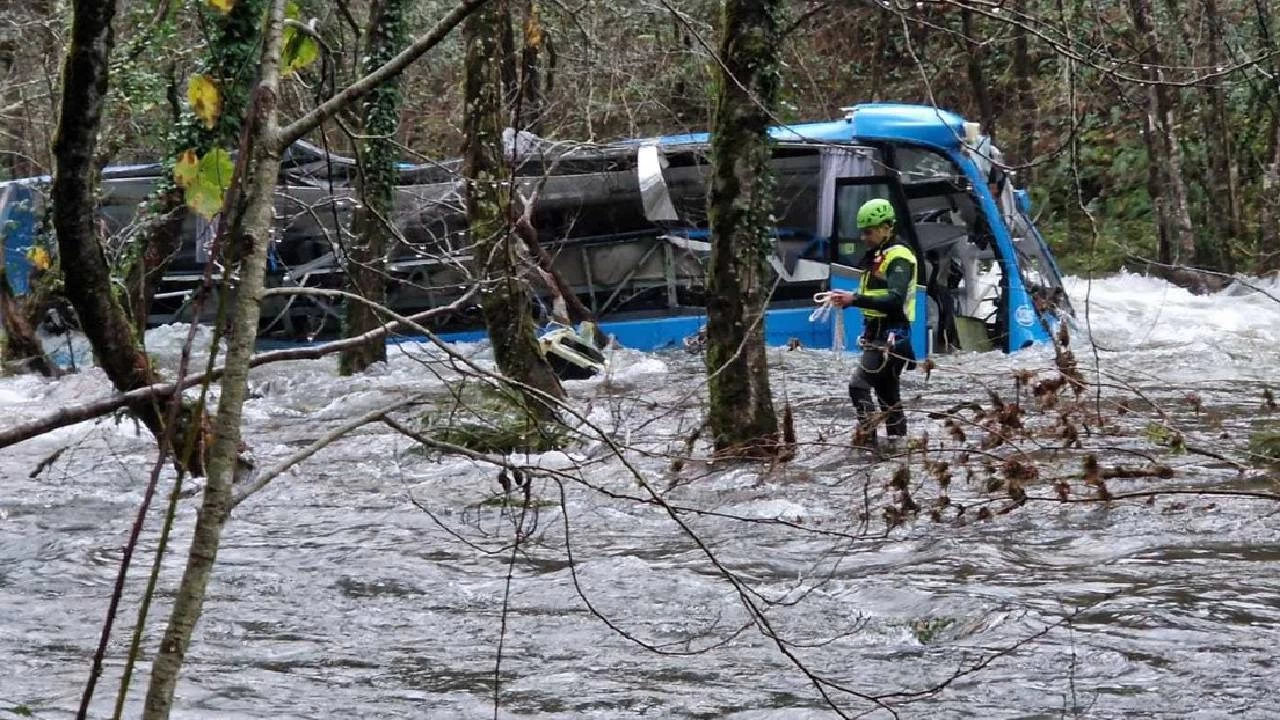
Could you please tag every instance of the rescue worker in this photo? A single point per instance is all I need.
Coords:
(887, 298)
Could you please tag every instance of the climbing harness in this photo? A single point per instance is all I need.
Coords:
(885, 348)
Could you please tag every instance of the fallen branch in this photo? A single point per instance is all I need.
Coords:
(1152, 494)
(1122, 472)
(1197, 280)
(105, 406)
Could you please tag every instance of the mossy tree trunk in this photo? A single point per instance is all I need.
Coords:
(231, 61)
(741, 418)
(505, 302)
(249, 228)
(84, 265)
(366, 269)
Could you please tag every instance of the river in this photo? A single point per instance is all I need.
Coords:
(371, 581)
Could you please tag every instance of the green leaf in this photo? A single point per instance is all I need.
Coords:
(213, 176)
(300, 50)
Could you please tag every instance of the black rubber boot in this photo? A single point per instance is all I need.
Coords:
(865, 407)
(895, 420)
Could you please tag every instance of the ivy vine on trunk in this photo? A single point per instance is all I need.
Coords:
(373, 224)
(741, 417)
(249, 227)
(230, 63)
(506, 302)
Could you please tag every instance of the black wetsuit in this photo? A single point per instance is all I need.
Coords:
(886, 345)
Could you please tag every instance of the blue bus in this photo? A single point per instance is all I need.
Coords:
(626, 226)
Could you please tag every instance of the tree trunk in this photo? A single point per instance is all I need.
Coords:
(507, 61)
(1225, 216)
(1156, 189)
(233, 49)
(506, 303)
(1269, 215)
(366, 269)
(530, 108)
(20, 348)
(84, 266)
(881, 59)
(532, 103)
(1179, 221)
(1165, 180)
(1023, 71)
(977, 79)
(1269, 237)
(11, 137)
(250, 230)
(741, 417)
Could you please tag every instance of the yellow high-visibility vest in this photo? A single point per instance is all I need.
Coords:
(875, 285)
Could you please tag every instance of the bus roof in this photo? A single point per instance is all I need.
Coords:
(867, 122)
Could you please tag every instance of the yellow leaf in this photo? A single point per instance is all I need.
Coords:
(39, 258)
(184, 170)
(204, 201)
(222, 6)
(205, 100)
(533, 29)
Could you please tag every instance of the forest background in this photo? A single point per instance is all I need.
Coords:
(1144, 129)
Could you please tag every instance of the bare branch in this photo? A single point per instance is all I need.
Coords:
(333, 105)
(326, 440)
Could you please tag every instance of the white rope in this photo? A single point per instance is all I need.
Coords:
(826, 303)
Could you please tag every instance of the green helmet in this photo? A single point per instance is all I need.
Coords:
(874, 213)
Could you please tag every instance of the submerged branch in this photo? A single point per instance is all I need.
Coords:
(1153, 494)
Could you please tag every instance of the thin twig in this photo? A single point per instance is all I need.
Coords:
(321, 443)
